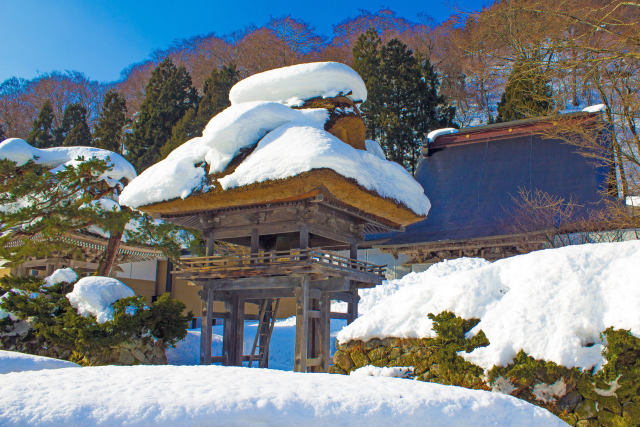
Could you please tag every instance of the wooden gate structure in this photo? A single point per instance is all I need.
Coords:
(286, 259)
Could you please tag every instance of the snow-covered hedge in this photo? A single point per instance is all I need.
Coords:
(97, 321)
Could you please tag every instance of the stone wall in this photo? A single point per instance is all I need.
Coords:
(610, 397)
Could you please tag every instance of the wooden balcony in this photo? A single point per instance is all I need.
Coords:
(318, 264)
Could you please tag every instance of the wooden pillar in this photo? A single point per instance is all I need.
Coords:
(233, 335)
(255, 243)
(324, 332)
(302, 326)
(206, 326)
(210, 240)
(304, 236)
(352, 305)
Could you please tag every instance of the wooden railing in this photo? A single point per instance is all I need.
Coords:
(275, 258)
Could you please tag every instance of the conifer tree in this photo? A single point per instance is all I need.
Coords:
(41, 135)
(527, 93)
(113, 117)
(215, 98)
(2, 135)
(168, 95)
(74, 130)
(403, 103)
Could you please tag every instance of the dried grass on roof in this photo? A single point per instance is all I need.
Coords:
(303, 186)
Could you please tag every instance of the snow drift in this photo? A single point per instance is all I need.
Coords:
(11, 361)
(226, 396)
(553, 304)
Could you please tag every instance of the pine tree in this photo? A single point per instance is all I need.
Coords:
(74, 130)
(113, 117)
(403, 103)
(215, 98)
(366, 62)
(41, 135)
(527, 93)
(2, 134)
(168, 95)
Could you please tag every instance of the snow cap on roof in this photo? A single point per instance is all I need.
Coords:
(297, 83)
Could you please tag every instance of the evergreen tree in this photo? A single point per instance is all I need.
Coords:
(215, 98)
(366, 62)
(2, 134)
(74, 130)
(41, 134)
(113, 117)
(403, 102)
(168, 96)
(527, 93)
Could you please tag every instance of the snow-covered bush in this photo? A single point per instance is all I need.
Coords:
(88, 326)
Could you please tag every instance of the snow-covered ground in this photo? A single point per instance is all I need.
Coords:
(553, 304)
(227, 396)
(12, 361)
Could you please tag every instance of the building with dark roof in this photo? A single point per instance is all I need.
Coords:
(474, 178)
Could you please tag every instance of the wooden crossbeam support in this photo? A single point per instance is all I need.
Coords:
(324, 332)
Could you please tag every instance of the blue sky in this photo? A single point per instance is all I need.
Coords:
(102, 37)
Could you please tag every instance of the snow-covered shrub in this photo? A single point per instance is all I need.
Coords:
(131, 332)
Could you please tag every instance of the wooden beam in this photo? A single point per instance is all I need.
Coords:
(304, 236)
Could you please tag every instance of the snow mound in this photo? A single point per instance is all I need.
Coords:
(431, 136)
(12, 361)
(230, 396)
(633, 201)
(323, 150)
(61, 275)
(374, 371)
(56, 158)
(553, 304)
(95, 295)
(297, 83)
(595, 108)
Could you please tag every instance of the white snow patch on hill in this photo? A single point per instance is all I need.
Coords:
(57, 158)
(294, 84)
(12, 361)
(227, 396)
(95, 296)
(553, 304)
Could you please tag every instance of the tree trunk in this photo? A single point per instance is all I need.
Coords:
(106, 263)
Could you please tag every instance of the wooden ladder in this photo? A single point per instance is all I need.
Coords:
(266, 321)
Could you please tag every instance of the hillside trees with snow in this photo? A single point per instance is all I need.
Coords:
(168, 96)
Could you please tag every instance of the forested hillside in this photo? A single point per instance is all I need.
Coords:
(515, 59)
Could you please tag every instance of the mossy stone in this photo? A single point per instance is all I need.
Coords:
(359, 358)
(586, 409)
(335, 369)
(631, 413)
(588, 423)
(587, 390)
(341, 358)
(376, 353)
(570, 419)
(406, 359)
(371, 344)
(610, 403)
(609, 419)
(382, 362)
(394, 353)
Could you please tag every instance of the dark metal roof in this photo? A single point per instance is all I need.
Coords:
(471, 179)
